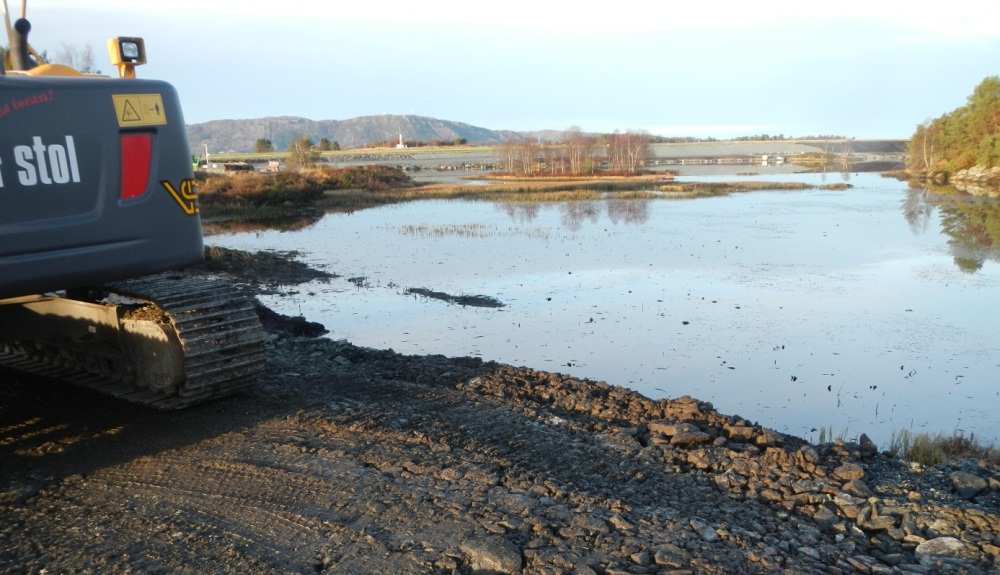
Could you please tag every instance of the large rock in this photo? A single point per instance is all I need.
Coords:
(858, 488)
(940, 547)
(824, 517)
(687, 438)
(670, 555)
(739, 432)
(671, 428)
(868, 448)
(968, 485)
(849, 472)
(706, 531)
(768, 437)
(493, 554)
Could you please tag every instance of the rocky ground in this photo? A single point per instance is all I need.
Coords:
(351, 460)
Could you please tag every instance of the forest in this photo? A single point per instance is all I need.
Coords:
(968, 136)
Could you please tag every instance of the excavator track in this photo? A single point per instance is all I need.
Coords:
(210, 327)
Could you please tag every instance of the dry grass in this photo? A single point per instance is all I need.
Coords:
(826, 435)
(931, 450)
(294, 188)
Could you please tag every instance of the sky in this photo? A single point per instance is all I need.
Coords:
(865, 69)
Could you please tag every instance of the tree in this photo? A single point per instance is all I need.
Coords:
(967, 136)
(325, 145)
(627, 152)
(301, 153)
(263, 146)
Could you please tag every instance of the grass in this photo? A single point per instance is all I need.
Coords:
(931, 450)
(924, 448)
(826, 435)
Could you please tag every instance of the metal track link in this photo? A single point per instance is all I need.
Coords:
(218, 330)
(212, 324)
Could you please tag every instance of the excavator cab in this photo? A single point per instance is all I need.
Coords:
(97, 196)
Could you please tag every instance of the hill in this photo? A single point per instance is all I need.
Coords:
(240, 135)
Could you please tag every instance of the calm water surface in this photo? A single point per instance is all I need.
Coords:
(868, 310)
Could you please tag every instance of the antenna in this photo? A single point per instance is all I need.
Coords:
(8, 28)
(24, 8)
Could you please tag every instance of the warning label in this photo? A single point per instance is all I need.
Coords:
(139, 110)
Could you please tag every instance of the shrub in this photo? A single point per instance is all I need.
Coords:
(936, 449)
(295, 188)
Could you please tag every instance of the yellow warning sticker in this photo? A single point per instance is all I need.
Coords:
(139, 110)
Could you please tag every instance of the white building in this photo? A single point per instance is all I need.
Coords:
(401, 145)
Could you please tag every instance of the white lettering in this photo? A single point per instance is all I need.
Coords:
(26, 175)
(74, 166)
(43, 172)
(46, 164)
(58, 165)
(39, 163)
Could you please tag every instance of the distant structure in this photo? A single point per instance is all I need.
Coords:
(401, 145)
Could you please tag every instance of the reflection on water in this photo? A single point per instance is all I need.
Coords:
(798, 309)
(523, 213)
(971, 223)
(576, 214)
(628, 211)
(284, 224)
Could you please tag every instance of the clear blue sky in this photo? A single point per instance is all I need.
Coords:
(864, 69)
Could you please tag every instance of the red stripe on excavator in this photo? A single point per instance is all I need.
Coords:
(136, 155)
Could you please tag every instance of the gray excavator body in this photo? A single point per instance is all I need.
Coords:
(66, 220)
(98, 210)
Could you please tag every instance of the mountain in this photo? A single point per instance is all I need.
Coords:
(240, 135)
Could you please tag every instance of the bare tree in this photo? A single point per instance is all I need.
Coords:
(508, 155)
(81, 59)
(302, 153)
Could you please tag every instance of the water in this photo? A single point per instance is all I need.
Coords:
(868, 310)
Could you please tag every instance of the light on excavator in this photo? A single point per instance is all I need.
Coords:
(130, 50)
(126, 54)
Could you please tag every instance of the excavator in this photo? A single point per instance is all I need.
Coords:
(98, 213)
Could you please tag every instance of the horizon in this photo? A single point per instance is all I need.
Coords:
(723, 70)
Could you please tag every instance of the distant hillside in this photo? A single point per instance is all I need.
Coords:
(240, 135)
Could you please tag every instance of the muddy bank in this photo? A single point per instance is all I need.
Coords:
(715, 189)
(262, 271)
(352, 460)
(464, 300)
